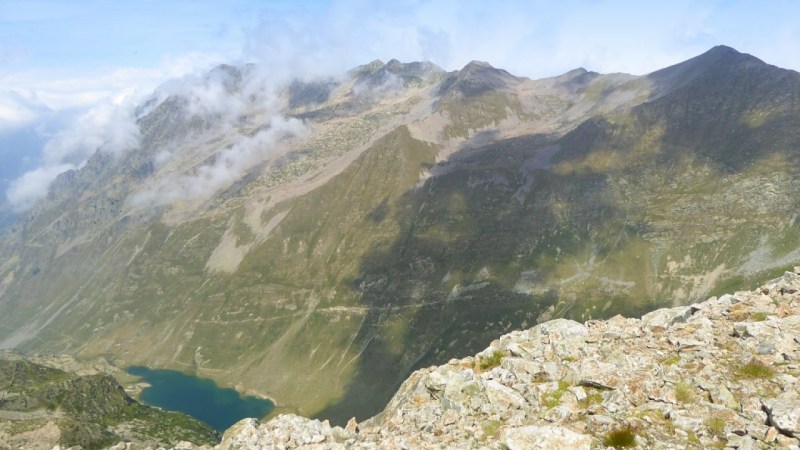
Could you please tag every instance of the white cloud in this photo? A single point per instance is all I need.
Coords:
(18, 109)
(228, 166)
(101, 119)
(106, 126)
(533, 38)
(391, 84)
(27, 189)
(65, 90)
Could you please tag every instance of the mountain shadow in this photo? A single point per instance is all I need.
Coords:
(583, 226)
(450, 282)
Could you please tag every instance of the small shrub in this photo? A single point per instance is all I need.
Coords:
(672, 360)
(684, 393)
(758, 317)
(716, 427)
(491, 362)
(756, 369)
(553, 399)
(491, 427)
(622, 437)
(592, 397)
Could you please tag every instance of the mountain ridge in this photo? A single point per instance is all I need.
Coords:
(350, 232)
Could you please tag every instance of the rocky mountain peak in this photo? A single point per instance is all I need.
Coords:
(394, 64)
(377, 78)
(724, 56)
(723, 51)
(717, 62)
(576, 78)
(477, 65)
(230, 77)
(411, 70)
(366, 69)
(577, 72)
(476, 78)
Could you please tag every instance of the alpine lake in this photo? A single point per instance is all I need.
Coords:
(200, 398)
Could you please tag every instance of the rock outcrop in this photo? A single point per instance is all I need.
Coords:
(717, 374)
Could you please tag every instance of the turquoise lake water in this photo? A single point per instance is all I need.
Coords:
(199, 397)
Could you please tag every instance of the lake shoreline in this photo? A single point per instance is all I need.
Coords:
(202, 398)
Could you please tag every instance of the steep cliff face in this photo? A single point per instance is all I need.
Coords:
(343, 232)
(722, 373)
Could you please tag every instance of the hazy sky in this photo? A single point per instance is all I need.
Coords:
(62, 58)
(77, 50)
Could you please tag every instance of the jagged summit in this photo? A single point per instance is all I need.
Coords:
(476, 78)
(394, 64)
(412, 71)
(377, 78)
(368, 68)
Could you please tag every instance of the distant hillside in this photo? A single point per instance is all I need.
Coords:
(41, 407)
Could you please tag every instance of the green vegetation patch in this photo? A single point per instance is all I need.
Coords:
(491, 427)
(755, 370)
(621, 437)
(716, 427)
(684, 393)
(553, 399)
(489, 363)
(672, 360)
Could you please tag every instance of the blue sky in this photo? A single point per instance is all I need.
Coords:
(77, 37)
(60, 59)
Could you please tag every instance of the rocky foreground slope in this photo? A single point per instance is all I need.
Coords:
(718, 374)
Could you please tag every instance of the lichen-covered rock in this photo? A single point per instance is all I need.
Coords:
(784, 414)
(541, 438)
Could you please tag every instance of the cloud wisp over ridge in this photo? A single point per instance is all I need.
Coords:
(52, 79)
(105, 127)
(226, 167)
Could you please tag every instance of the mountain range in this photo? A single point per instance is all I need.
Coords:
(315, 241)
